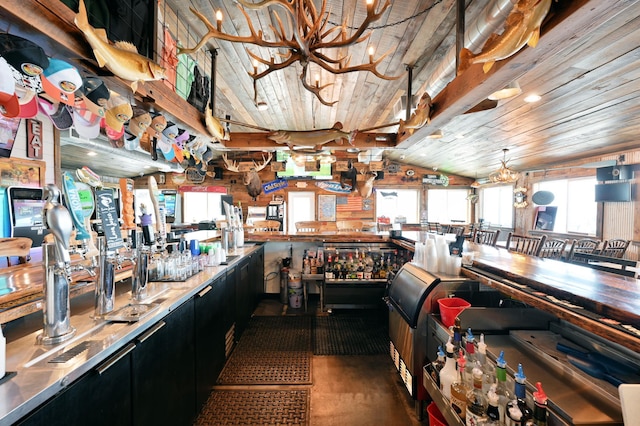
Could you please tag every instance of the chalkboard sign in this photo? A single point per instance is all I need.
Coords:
(109, 216)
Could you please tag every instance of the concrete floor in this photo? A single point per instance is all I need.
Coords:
(352, 390)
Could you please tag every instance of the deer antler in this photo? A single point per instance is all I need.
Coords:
(309, 32)
(264, 163)
(232, 166)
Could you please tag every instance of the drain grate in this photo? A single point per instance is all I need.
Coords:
(351, 334)
(271, 407)
(71, 353)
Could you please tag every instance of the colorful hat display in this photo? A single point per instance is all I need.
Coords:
(131, 142)
(23, 55)
(86, 123)
(60, 81)
(139, 123)
(28, 102)
(158, 124)
(95, 94)
(9, 103)
(118, 111)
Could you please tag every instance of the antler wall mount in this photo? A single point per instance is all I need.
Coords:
(308, 42)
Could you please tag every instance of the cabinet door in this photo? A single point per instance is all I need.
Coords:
(164, 371)
(100, 397)
(209, 338)
(243, 302)
(257, 276)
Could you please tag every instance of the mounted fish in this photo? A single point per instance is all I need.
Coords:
(313, 138)
(250, 178)
(521, 27)
(215, 128)
(420, 117)
(122, 58)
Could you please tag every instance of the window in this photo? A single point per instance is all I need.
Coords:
(447, 205)
(496, 206)
(302, 207)
(399, 205)
(201, 206)
(574, 198)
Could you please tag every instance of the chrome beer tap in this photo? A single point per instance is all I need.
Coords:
(57, 270)
(140, 276)
(105, 285)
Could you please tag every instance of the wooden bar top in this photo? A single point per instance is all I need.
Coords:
(321, 237)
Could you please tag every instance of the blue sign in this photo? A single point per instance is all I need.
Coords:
(333, 186)
(274, 185)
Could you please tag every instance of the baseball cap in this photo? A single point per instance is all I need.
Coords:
(86, 123)
(9, 103)
(58, 113)
(23, 55)
(171, 131)
(95, 94)
(158, 124)
(139, 123)
(165, 146)
(183, 137)
(60, 80)
(131, 142)
(28, 102)
(118, 111)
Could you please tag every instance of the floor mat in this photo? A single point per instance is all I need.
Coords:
(272, 350)
(351, 333)
(270, 407)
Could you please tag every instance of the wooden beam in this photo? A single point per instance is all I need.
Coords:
(473, 86)
(260, 142)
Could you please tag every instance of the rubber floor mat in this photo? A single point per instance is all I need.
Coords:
(351, 333)
(269, 407)
(271, 351)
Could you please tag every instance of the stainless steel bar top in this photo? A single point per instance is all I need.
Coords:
(38, 379)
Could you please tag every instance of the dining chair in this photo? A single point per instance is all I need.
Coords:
(584, 245)
(456, 229)
(308, 226)
(349, 225)
(434, 227)
(485, 237)
(525, 244)
(553, 248)
(266, 225)
(615, 247)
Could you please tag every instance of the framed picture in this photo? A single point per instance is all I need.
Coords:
(327, 208)
(18, 172)
(8, 131)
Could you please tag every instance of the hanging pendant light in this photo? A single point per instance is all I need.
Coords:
(504, 174)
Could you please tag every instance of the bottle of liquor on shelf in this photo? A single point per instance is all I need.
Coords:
(434, 368)
(457, 335)
(489, 370)
(493, 412)
(470, 354)
(476, 400)
(502, 389)
(448, 372)
(540, 407)
(517, 412)
(459, 389)
(328, 269)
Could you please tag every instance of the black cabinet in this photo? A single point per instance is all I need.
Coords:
(209, 338)
(163, 366)
(100, 397)
(244, 298)
(257, 276)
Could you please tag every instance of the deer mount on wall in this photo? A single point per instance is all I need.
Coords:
(250, 177)
(360, 177)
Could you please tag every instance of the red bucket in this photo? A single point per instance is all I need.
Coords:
(450, 308)
(435, 416)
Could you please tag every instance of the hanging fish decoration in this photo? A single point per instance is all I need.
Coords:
(420, 117)
(313, 138)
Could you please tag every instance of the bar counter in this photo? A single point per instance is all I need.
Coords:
(38, 379)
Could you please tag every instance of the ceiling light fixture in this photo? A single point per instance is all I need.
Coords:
(504, 174)
(262, 106)
(511, 90)
(532, 98)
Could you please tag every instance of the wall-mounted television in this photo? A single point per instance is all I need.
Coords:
(620, 191)
(293, 171)
(170, 199)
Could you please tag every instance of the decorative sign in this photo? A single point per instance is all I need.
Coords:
(333, 186)
(278, 166)
(301, 184)
(17, 172)
(197, 188)
(34, 139)
(311, 166)
(74, 204)
(367, 204)
(435, 180)
(274, 185)
(327, 208)
(376, 166)
(246, 166)
(109, 217)
(349, 204)
(342, 166)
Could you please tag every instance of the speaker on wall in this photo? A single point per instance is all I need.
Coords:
(614, 173)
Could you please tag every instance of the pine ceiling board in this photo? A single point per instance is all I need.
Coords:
(427, 26)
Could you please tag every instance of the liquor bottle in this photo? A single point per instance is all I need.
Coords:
(517, 412)
(448, 372)
(487, 367)
(383, 270)
(502, 390)
(459, 389)
(470, 354)
(434, 368)
(540, 407)
(328, 270)
(493, 412)
(476, 400)
(457, 335)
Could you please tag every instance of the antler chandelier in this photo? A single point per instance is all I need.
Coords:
(308, 43)
(504, 174)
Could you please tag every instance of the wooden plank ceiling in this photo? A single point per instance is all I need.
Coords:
(585, 68)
